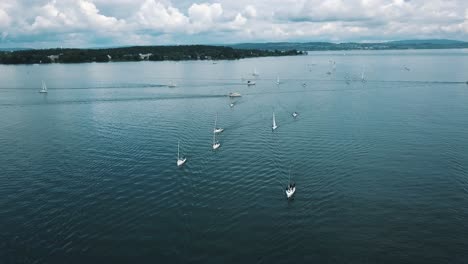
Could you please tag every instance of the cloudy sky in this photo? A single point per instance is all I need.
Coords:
(100, 23)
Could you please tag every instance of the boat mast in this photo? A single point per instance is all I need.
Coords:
(216, 120)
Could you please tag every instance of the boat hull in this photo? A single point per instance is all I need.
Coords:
(290, 192)
(181, 162)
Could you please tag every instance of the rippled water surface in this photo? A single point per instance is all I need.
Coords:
(88, 172)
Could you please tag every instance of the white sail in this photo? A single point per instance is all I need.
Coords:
(171, 84)
(274, 126)
(277, 80)
(43, 88)
(255, 72)
(216, 144)
(180, 161)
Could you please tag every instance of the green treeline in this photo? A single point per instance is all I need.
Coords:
(137, 53)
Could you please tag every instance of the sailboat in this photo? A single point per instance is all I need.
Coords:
(171, 85)
(44, 88)
(216, 144)
(277, 80)
(362, 76)
(255, 73)
(295, 114)
(291, 189)
(180, 161)
(274, 126)
(216, 129)
(234, 94)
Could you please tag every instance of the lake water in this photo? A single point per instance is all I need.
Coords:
(88, 172)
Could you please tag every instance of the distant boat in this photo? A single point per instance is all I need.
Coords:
(304, 84)
(255, 73)
(171, 85)
(216, 129)
(235, 95)
(43, 88)
(295, 114)
(231, 105)
(363, 79)
(277, 80)
(291, 188)
(274, 126)
(180, 161)
(250, 83)
(216, 144)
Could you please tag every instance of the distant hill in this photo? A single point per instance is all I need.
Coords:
(427, 41)
(13, 49)
(391, 45)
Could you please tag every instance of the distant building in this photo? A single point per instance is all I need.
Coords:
(145, 56)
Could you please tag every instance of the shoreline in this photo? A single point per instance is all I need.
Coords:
(138, 53)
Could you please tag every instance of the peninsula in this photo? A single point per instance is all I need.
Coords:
(136, 53)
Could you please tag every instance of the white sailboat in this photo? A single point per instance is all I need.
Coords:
(171, 85)
(217, 129)
(234, 94)
(216, 144)
(277, 80)
(180, 161)
(255, 73)
(274, 126)
(295, 114)
(291, 188)
(363, 79)
(44, 88)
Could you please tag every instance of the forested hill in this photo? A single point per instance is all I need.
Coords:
(136, 53)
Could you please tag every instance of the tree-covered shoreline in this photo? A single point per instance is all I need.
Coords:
(136, 53)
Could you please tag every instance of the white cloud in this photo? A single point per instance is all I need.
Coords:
(92, 22)
(154, 15)
(94, 18)
(5, 19)
(72, 16)
(250, 11)
(204, 16)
